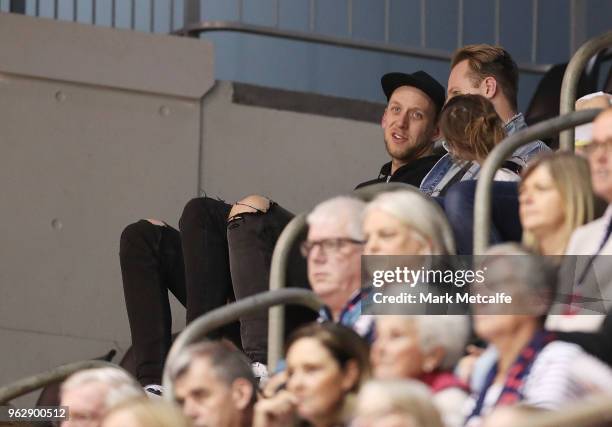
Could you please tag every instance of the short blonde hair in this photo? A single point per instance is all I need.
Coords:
(420, 212)
(572, 179)
(151, 413)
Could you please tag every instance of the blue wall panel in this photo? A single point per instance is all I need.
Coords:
(554, 31)
(405, 22)
(260, 12)
(331, 17)
(294, 14)
(478, 22)
(369, 20)
(515, 28)
(219, 10)
(441, 24)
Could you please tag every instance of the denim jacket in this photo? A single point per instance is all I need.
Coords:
(446, 168)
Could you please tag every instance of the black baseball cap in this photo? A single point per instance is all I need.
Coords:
(419, 79)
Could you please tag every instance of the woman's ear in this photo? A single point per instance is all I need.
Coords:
(242, 393)
(351, 375)
(433, 359)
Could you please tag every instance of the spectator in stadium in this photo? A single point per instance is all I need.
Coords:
(594, 238)
(584, 133)
(199, 268)
(326, 365)
(471, 129)
(555, 197)
(491, 72)
(406, 223)
(395, 403)
(145, 413)
(533, 367)
(90, 394)
(214, 385)
(589, 288)
(424, 348)
(333, 251)
(409, 224)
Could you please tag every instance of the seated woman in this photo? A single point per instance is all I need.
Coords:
(418, 347)
(472, 128)
(396, 403)
(532, 366)
(425, 348)
(555, 197)
(326, 365)
(406, 223)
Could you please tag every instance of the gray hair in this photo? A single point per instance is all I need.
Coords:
(451, 332)
(228, 363)
(342, 210)
(121, 386)
(408, 397)
(421, 213)
(528, 273)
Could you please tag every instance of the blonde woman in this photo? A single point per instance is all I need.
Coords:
(406, 223)
(555, 198)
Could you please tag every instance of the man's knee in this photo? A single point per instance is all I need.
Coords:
(138, 232)
(459, 199)
(202, 210)
(250, 204)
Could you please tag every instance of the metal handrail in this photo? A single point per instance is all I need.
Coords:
(278, 278)
(197, 330)
(569, 86)
(482, 202)
(428, 53)
(29, 384)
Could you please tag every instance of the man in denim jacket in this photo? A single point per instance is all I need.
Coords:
(491, 72)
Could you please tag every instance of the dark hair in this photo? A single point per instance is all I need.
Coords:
(490, 61)
(343, 344)
(227, 362)
(471, 126)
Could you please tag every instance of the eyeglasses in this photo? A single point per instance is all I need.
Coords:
(329, 246)
(594, 146)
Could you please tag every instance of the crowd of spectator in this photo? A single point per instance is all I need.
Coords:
(344, 366)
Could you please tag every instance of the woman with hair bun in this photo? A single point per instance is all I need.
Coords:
(472, 128)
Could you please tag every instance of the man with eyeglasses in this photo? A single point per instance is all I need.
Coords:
(333, 251)
(594, 237)
(224, 252)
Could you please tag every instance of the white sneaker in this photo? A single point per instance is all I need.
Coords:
(261, 373)
(154, 391)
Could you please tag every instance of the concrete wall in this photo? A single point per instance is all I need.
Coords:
(101, 127)
(98, 128)
(295, 158)
(533, 31)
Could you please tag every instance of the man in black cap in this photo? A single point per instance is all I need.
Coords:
(410, 126)
(224, 251)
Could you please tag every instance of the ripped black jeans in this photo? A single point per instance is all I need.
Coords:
(205, 265)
